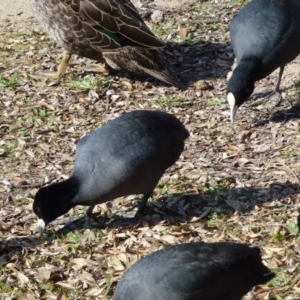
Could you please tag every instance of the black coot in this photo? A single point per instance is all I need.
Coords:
(126, 156)
(206, 271)
(264, 36)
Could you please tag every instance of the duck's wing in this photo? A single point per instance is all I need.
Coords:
(117, 19)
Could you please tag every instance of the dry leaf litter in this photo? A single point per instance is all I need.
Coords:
(234, 182)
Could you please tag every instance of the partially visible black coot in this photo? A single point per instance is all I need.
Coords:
(197, 271)
(126, 156)
(264, 36)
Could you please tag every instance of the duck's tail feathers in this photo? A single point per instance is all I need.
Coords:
(143, 61)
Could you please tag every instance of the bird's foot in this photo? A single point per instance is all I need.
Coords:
(141, 210)
(140, 213)
(88, 222)
(274, 96)
(46, 75)
(61, 70)
(50, 78)
(97, 68)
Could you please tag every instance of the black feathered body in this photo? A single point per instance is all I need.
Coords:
(264, 36)
(267, 30)
(206, 271)
(127, 156)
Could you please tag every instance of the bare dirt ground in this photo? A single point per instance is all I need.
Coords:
(234, 182)
(13, 8)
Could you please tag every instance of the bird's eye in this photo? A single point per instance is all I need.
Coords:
(38, 210)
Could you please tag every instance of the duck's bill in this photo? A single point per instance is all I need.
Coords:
(41, 226)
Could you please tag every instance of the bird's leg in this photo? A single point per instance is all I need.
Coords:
(60, 71)
(276, 92)
(279, 78)
(97, 68)
(89, 211)
(142, 205)
(63, 65)
(88, 216)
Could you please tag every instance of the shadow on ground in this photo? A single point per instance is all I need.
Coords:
(191, 62)
(286, 115)
(178, 208)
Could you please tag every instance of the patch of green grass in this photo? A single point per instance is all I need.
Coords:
(50, 287)
(235, 231)
(216, 220)
(278, 237)
(60, 258)
(4, 52)
(117, 262)
(238, 3)
(297, 83)
(88, 83)
(246, 176)
(10, 146)
(207, 8)
(21, 202)
(23, 39)
(208, 189)
(23, 33)
(171, 101)
(215, 194)
(213, 26)
(41, 118)
(4, 288)
(72, 250)
(256, 229)
(39, 112)
(72, 294)
(161, 29)
(242, 2)
(110, 287)
(163, 186)
(74, 238)
(293, 227)
(193, 37)
(286, 154)
(164, 190)
(216, 101)
(9, 83)
(37, 263)
(279, 280)
(36, 117)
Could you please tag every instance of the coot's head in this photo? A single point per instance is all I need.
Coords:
(241, 83)
(238, 91)
(50, 203)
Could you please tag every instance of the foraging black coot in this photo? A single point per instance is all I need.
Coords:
(264, 36)
(206, 271)
(126, 156)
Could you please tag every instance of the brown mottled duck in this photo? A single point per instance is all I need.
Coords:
(110, 31)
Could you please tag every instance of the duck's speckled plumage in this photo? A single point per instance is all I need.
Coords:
(105, 30)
